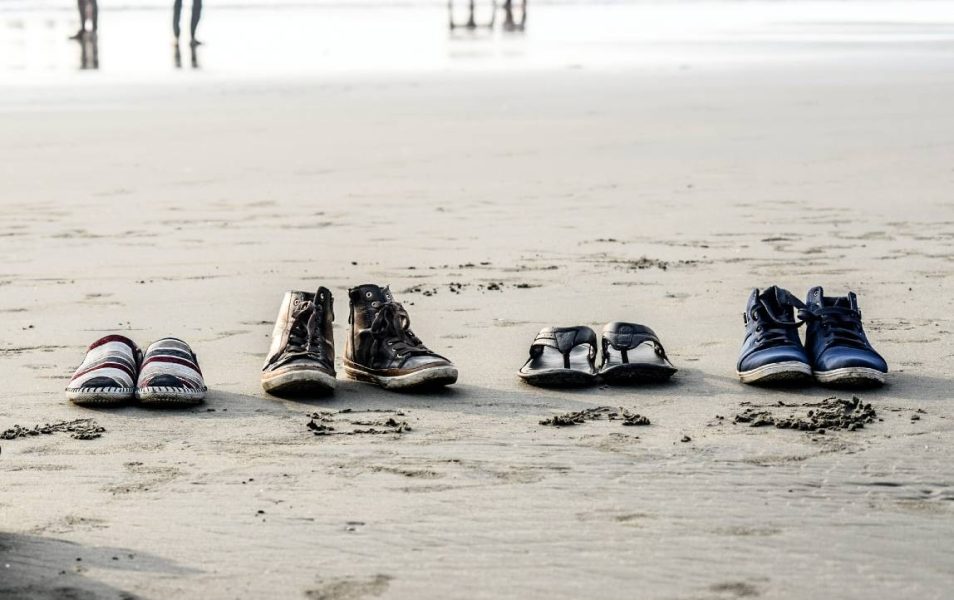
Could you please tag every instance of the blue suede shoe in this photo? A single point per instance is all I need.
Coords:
(772, 352)
(839, 349)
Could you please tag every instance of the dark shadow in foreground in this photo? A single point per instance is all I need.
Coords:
(46, 568)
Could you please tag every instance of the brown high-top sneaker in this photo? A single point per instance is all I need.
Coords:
(382, 349)
(302, 356)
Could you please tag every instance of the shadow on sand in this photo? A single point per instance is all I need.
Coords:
(218, 404)
(42, 568)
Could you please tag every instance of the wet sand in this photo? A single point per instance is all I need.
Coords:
(494, 203)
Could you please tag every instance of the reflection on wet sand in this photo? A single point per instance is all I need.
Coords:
(193, 56)
(509, 23)
(89, 51)
(471, 22)
(138, 41)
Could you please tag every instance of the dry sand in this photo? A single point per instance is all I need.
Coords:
(187, 209)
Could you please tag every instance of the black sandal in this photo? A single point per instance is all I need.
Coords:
(633, 354)
(562, 357)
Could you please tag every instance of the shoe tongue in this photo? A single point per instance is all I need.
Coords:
(776, 297)
(778, 303)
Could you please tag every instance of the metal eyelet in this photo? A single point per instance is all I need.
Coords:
(368, 295)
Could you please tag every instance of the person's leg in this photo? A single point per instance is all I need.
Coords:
(196, 15)
(176, 12)
(94, 14)
(81, 6)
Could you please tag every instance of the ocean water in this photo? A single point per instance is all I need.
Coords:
(41, 5)
(261, 39)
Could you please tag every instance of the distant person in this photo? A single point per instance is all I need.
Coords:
(88, 10)
(193, 25)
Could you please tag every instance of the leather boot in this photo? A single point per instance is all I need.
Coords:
(382, 349)
(302, 355)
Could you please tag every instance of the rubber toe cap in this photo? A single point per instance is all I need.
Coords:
(166, 381)
(102, 382)
(414, 362)
(772, 356)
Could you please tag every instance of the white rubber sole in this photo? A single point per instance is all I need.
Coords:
(783, 372)
(851, 377)
(301, 380)
(425, 378)
(169, 395)
(100, 396)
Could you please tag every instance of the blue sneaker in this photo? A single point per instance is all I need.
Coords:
(772, 352)
(840, 351)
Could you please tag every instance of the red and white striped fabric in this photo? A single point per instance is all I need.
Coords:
(170, 374)
(108, 373)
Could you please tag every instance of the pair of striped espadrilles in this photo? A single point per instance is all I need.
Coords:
(115, 371)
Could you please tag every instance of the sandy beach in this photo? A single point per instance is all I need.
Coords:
(497, 194)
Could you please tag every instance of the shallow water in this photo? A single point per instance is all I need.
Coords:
(253, 40)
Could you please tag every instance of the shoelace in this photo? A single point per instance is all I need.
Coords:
(842, 325)
(304, 336)
(392, 325)
(774, 330)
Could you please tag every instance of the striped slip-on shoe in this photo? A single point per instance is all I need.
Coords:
(170, 375)
(108, 373)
